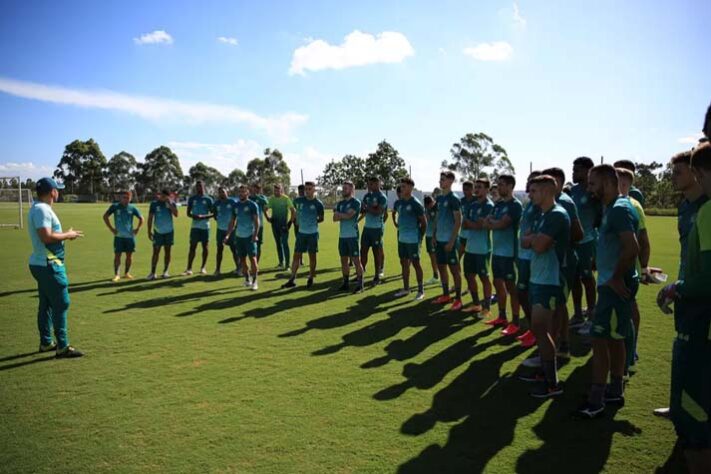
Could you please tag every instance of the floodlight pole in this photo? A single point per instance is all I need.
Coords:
(19, 187)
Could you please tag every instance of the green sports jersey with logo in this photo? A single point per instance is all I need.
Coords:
(376, 201)
(200, 205)
(589, 210)
(408, 213)
(162, 216)
(42, 216)
(479, 240)
(447, 205)
(262, 202)
(637, 194)
(685, 222)
(308, 212)
(547, 267)
(431, 216)
(529, 218)
(245, 211)
(348, 228)
(280, 208)
(505, 241)
(224, 210)
(697, 281)
(123, 218)
(618, 217)
(466, 205)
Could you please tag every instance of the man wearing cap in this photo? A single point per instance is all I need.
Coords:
(124, 233)
(47, 268)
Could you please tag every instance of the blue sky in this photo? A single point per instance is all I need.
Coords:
(547, 80)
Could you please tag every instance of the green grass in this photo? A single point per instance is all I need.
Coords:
(197, 374)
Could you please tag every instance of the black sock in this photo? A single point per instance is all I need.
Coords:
(345, 281)
(502, 314)
(550, 372)
(445, 288)
(420, 287)
(597, 393)
(617, 385)
(458, 292)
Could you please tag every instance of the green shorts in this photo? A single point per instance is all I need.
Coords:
(199, 235)
(691, 376)
(306, 243)
(245, 247)
(586, 258)
(124, 245)
(548, 296)
(524, 274)
(447, 258)
(162, 240)
(476, 264)
(430, 244)
(503, 268)
(613, 315)
(372, 238)
(348, 247)
(408, 251)
(221, 238)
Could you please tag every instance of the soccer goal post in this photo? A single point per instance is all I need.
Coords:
(14, 202)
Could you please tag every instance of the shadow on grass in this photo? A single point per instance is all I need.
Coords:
(27, 362)
(675, 463)
(169, 300)
(78, 287)
(18, 356)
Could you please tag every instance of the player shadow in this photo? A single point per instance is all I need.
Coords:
(419, 315)
(18, 356)
(170, 300)
(570, 441)
(675, 463)
(77, 287)
(24, 363)
(489, 403)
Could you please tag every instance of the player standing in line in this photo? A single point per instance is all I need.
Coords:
(617, 251)
(571, 258)
(47, 268)
(262, 203)
(300, 192)
(478, 249)
(445, 234)
(467, 201)
(626, 180)
(200, 211)
(691, 356)
(412, 224)
(503, 222)
(431, 211)
(346, 213)
(281, 215)
(684, 181)
(245, 223)
(548, 240)
(634, 192)
(124, 233)
(375, 212)
(224, 211)
(161, 213)
(589, 213)
(309, 214)
(530, 216)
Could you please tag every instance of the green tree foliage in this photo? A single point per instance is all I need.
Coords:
(82, 167)
(477, 156)
(387, 163)
(234, 179)
(349, 168)
(211, 177)
(122, 171)
(269, 170)
(160, 169)
(654, 180)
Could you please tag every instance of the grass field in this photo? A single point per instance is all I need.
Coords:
(199, 374)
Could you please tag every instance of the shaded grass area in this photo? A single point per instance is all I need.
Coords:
(201, 374)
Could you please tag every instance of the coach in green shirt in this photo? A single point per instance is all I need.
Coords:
(281, 214)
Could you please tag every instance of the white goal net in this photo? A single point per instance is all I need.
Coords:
(15, 201)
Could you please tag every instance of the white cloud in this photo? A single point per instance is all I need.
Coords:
(25, 170)
(691, 139)
(310, 160)
(154, 37)
(519, 20)
(228, 40)
(357, 49)
(496, 51)
(223, 156)
(279, 127)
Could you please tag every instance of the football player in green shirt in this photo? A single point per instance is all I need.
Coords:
(346, 214)
(281, 215)
(431, 208)
(161, 213)
(634, 192)
(245, 224)
(263, 204)
(124, 233)
(309, 214)
(200, 210)
(412, 224)
(223, 208)
(375, 212)
(446, 234)
(616, 254)
(691, 356)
